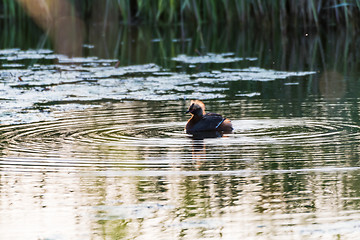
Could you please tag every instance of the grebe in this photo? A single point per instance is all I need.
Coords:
(205, 122)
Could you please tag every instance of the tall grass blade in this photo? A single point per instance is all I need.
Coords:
(278, 13)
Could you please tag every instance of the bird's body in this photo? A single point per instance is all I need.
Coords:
(201, 121)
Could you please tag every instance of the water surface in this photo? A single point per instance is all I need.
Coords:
(95, 149)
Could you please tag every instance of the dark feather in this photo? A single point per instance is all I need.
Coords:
(209, 122)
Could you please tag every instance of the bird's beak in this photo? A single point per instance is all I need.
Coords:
(187, 111)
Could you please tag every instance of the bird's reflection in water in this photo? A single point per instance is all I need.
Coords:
(208, 134)
(199, 146)
(198, 153)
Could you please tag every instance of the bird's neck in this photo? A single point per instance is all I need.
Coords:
(192, 121)
(196, 118)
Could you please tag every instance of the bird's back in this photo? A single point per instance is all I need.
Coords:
(209, 122)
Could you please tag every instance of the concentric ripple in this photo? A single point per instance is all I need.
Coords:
(141, 137)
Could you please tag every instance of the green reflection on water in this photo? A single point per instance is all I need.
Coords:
(293, 51)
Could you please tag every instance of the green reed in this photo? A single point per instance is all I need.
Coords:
(9, 9)
(283, 13)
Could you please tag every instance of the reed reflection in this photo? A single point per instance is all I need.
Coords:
(290, 51)
(118, 178)
(332, 85)
(58, 20)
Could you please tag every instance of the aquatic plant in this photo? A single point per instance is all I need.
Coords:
(283, 13)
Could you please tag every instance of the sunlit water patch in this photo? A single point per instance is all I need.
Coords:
(211, 58)
(248, 74)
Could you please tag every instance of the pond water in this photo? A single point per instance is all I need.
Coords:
(93, 146)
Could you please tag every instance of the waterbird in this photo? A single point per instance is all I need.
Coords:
(201, 121)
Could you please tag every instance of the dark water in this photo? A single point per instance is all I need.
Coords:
(95, 149)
